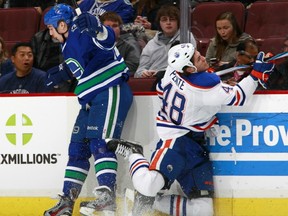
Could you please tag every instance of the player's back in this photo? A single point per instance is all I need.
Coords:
(186, 102)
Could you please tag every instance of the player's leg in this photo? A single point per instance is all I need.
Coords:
(149, 178)
(107, 114)
(180, 205)
(76, 170)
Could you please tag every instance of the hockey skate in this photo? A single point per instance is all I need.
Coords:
(105, 202)
(65, 205)
(123, 148)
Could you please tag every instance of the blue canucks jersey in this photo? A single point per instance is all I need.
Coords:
(123, 8)
(96, 64)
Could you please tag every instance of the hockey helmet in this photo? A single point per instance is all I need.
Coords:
(180, 56)
(60, 12)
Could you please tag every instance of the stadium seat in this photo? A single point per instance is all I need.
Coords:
(42, 25)
(19, 24)
(272, 44)
(203, 19)
(141, 84)
(267, 19)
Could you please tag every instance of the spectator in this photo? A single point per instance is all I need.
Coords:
(154, 55)
(98, 7)
(48, 54)
(125, 43)
(25, 79)
(223, 45)
(246, 53)
(279, 78)
(146, 11)
(6, 65)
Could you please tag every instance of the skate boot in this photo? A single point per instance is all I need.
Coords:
(105, 202)
(65, 205)
(123, 148)
(143, 205)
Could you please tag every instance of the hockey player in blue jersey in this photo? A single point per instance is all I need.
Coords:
(89, 51)
(190, 99)
(123, 8)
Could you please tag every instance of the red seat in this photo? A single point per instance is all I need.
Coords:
(203, 19)
(273, 45)
(267, 19)
(19, 24)
(141, 84)
(42, 25)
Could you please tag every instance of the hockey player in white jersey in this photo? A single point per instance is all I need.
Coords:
(190, 99)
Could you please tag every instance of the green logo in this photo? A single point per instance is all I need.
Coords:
(22, 125)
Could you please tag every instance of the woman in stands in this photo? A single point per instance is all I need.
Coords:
(6, 65)
(222, 47)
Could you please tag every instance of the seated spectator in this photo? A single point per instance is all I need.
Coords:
(146, 12)
(6, 65)
(246, 53)
(25, 79)
(154, 55)
(123, 8)
(222, 48)
(279, 80)
(47, 54)
(125, 43)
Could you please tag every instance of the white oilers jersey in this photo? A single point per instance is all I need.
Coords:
(190, 103)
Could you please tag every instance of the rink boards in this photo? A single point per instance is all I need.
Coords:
(249, 155)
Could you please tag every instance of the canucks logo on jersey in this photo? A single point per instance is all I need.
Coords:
(75, 67)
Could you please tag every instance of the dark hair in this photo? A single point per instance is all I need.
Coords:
(220, 43)
(243, 45)
(111, 16)
(147, 5)
(169, 11)
(19, 44)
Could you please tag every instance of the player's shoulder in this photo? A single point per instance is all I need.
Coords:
(204, 79)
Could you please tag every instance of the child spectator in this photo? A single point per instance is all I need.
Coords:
(154, 55)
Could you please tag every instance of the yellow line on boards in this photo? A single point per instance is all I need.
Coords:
(27, 206)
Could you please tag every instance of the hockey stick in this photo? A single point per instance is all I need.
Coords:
(77, 9)
(229, 70)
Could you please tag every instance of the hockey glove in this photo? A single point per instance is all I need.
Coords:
(89, 24)
(58, 74)
(261, 70)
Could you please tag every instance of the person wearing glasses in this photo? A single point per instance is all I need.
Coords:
(154, 56)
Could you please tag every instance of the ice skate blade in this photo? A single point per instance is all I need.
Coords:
(91, 212)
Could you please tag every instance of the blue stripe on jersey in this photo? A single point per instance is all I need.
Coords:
(243, 96)
(172, 204)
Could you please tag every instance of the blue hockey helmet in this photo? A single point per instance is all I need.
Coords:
(60, 12)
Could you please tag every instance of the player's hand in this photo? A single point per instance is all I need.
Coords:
(89, 24)
(58, 74)
(262, 70)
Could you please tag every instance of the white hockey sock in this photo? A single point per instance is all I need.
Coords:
(147, 182)
(179, 205)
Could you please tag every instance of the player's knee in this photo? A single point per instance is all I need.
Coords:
(148, 183)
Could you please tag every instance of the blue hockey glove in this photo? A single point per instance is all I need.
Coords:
(58, 74)
(89, 24)
(262, 70)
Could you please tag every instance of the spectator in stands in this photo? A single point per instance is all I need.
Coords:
(98, 7)
(246, 53)
(279, 80)
(25, 79)
(222, 48)
(126, 43)
(6, 65)
(154, 55)
(47, 54)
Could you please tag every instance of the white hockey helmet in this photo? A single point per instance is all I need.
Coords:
(180, 56)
